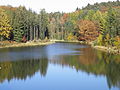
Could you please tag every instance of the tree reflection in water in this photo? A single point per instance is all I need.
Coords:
(22, 69)
(94, 62)
(86, 59)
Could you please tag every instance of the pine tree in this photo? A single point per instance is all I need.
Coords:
(20, 24)
(43, 23)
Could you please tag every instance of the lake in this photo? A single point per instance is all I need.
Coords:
(59, 66)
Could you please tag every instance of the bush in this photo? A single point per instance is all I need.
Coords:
(71, 37)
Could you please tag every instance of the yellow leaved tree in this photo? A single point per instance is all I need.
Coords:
(5, 27)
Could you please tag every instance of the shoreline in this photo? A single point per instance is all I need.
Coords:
(112, 50)
(27, 44)
(68, 41)
(38, 43)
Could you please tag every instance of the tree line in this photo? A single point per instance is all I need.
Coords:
(24, 25)
(98, 23)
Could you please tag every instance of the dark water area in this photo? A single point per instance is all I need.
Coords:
(59, 66)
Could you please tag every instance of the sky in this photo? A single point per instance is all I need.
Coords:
(51, 5)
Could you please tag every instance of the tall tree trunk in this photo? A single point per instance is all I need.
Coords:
(62, 33)
(27, 36)
(38, 32)
(34, 33)
(31, 33)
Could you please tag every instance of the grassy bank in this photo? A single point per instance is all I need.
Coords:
(113, 50)
(68, 41)
(8, 45)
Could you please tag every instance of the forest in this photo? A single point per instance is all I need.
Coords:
(98, 23)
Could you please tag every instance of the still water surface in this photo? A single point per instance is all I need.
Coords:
(60, 66)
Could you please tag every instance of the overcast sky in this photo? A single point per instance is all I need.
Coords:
(51, 5)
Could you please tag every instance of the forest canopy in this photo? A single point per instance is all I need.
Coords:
(99, 23)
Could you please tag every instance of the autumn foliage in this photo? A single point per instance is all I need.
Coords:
(5, 27)
(88, 30)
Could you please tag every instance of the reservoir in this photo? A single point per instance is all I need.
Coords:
(59, 66)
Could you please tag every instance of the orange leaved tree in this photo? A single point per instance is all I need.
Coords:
(88, 30)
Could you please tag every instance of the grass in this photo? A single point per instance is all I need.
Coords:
(112, 50)
(7, 44)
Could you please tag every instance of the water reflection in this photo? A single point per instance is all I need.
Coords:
(23, 53)
(94, 62)
(22, 69)
(80, 57)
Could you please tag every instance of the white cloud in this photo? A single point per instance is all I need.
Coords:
(51, 5)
